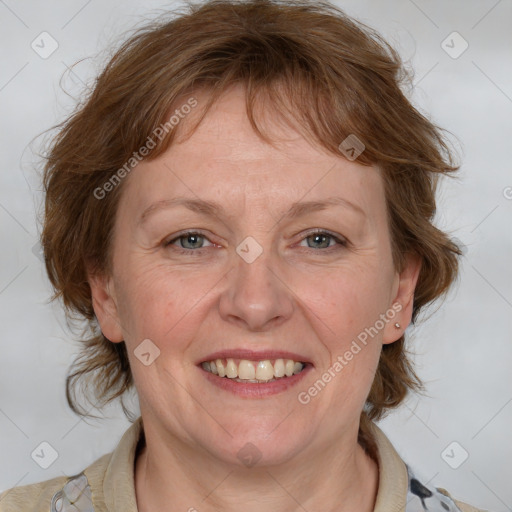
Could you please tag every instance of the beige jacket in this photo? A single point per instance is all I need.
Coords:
(107, 485)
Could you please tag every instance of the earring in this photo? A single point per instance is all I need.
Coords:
(397, 325)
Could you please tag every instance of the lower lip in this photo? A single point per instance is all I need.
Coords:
(255, 390)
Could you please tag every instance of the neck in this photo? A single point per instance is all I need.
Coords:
(172, 476)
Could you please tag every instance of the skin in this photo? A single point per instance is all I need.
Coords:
(302, 294)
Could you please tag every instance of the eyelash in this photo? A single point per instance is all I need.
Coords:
(340, 241)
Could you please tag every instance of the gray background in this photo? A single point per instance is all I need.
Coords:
(463, 352)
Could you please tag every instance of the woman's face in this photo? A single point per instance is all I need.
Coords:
(254, 284)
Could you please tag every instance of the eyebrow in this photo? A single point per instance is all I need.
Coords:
(209, 208)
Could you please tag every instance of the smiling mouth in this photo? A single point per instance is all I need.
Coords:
(247, 371)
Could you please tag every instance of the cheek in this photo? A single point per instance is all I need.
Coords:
(157, 302)
(346, 300)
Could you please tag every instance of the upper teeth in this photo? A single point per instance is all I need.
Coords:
(253, 370)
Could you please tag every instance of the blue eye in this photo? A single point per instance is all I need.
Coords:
(188, 241)
(319, 237)
(191, 242)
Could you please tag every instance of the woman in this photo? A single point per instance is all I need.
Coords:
(242, 211)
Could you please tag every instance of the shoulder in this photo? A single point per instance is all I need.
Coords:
(54, 495)
(108, 480)
(30, 498)
(402, 488)
(58, 494)
(463, 507)
(432, 498)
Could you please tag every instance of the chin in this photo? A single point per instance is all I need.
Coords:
(258, 448)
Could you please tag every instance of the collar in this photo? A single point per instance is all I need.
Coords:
(393, 477)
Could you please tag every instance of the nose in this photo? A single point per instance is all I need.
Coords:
(257, 297)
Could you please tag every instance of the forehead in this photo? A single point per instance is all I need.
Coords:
(224, 160)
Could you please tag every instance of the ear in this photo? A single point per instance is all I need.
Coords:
(105, 307)
(402, 304)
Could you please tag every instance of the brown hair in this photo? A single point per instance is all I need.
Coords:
(323, 72)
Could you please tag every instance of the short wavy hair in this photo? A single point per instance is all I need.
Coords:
(324, 73)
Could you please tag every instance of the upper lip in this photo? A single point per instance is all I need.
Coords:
(254, 355)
